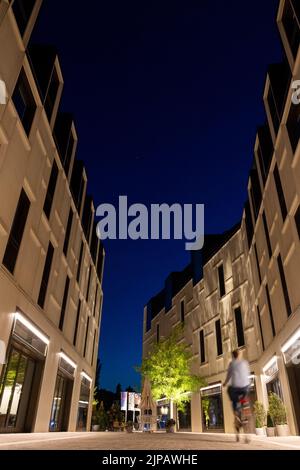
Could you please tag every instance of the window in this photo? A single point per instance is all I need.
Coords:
(270, 311)
(51, 94)
(280, 193)
(248, 223)
(275, 115)
(79, 263)
(264, 150)
(239, 327)
(86, 336)
(24, 102)
(293, 125)
(284, 286)
(257, 263)
(94, 344)
(182, 311)
(95, 301)
(267, 234)
(202, 347)
(292, 24)
(157, 333)
(77, 323)
(88, 284)
(221, 280)
(46, 275)
(16, 232)
(22, 10)
(64, 304)
(260, 329)
(219, 338)
(51, 190)
(68, 232)
(255, 192)
(69, 153)
(297, 220)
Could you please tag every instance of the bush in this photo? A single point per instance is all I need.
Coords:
(260, 414)
(170, 423)
(270, 423)
(277, 409)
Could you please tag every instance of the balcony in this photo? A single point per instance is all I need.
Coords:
(264, 150)
(255, 191)
(280, 78)
(77, 183)
(291, 24)
(64, 139)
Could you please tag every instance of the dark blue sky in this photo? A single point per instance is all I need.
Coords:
(166, 97)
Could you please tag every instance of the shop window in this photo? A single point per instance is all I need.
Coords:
(212, 408)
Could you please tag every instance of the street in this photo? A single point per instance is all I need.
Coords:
(140, 441)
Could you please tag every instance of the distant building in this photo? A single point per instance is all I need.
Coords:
(242, 290)
(51, 261)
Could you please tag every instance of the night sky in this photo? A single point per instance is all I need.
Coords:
(166, 97)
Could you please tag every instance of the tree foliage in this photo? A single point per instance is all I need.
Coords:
(168, 369)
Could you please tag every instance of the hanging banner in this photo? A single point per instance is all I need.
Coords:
(124, 401)
(137, 400)
(131, 401)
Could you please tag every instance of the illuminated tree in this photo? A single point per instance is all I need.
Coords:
(168, 369)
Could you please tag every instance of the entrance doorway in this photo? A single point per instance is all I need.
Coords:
(18, 391)
(293, 372)
(184, 418)
(61, 404)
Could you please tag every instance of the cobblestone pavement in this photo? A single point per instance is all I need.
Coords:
(140, 441)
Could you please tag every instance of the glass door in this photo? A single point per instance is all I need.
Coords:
(15, 391)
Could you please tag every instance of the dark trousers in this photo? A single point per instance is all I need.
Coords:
(235, 394)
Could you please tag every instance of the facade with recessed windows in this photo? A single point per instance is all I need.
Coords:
(51, 261)
(243, 291)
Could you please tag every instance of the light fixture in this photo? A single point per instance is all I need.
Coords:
(270, 363)
(291, 341)
(66, 358)
(85, 376)
(209, 387)
(31, 327)
(83, 402)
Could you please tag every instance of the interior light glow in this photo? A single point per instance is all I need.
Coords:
(67, 359)
(31, 327)
(291, 341)
(270, 363)
(209, 387)
(85, 376)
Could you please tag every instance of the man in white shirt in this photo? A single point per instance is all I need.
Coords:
(239, 376)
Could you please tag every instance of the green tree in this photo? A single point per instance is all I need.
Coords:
(168, 369)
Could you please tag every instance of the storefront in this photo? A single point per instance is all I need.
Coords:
(184, 418)
(62, 399)
(291, 354)
(83, 404)
(163, 413)
(21, 377)
(271, 376)
(212, 408)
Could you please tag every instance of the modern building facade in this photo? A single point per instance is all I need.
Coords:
(51, 260)
(241, 291)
